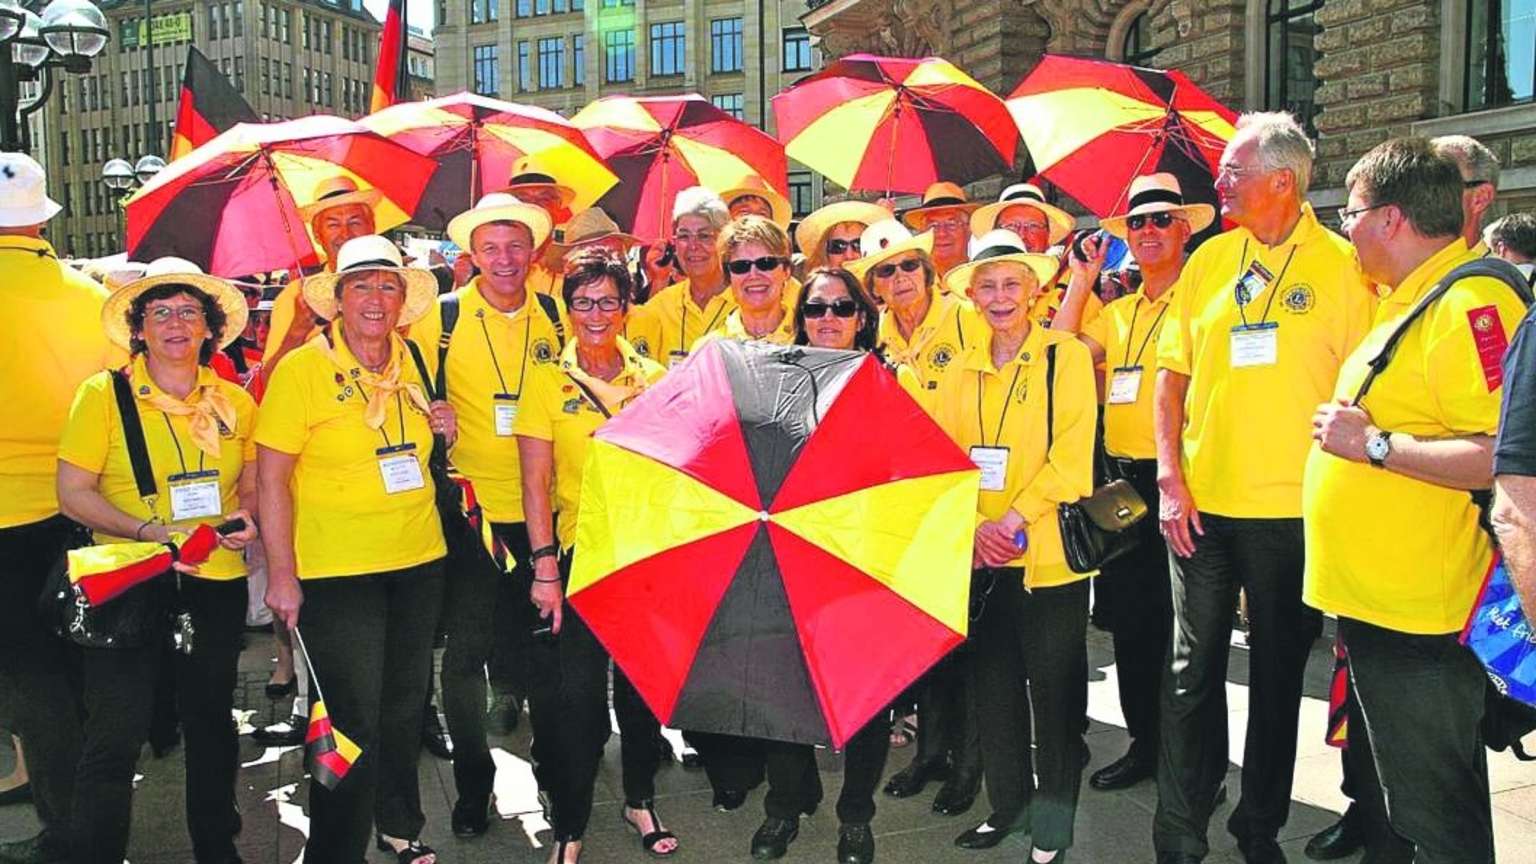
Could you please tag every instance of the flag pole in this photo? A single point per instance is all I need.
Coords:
(313, 681)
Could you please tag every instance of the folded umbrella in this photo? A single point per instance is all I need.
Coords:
(104, 572)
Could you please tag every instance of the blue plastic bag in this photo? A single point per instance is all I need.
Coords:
(1499, 634)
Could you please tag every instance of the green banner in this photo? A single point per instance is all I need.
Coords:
(165, 29)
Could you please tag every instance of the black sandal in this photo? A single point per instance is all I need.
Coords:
(413, 850)
(648, 841)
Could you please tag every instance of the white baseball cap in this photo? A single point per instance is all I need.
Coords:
(24, 192)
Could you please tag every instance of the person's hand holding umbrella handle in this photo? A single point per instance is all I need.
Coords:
(275, 505)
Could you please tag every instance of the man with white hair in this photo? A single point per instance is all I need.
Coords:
(1479, 181)
(676, 316)
(1261, 318)
(1513, 238)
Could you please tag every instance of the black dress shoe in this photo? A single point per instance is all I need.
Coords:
(17, 795)
(1339, 840)
(727, 800)
(41, 848)
(1178, 858)
(855, 844)
(434, 737)
(277, 691)
(957, 794)
(1261, 850)
(910, 780)
(988, 834)
(287, 733)
(1123, 773)
(471, 816)
(773, 838)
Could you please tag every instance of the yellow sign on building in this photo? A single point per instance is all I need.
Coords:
(166, 30)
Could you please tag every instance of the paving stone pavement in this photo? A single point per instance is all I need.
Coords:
(1111, 827)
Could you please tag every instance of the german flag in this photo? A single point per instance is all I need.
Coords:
(389, 76)
(330, 753)
(209, 104)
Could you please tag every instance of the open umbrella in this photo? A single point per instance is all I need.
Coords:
(232, 205)
(741, 547)
(1092, 125)
(659, 146)
(895, 124)
(475, 140)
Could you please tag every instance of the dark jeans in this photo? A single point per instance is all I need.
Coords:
(1029, 671)
(119, 690)
(1134, 601)
(370, 645)
(794, 785)
(1362, 787)
(1422, 701)
(1263, 557)
(568, 705)
(38, 670)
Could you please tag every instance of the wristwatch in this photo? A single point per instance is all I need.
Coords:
(1378, 447)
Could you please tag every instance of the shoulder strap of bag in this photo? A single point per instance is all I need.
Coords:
(552, 312)
(587, 391)
(133, 436)
(1050, 398)
(449, 304)
(439, 457)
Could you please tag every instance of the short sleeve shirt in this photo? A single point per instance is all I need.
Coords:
(1516, 450)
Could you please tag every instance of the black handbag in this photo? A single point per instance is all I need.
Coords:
(1095, 529)
(459, 513)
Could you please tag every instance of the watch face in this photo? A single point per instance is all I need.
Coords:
(1377, 447)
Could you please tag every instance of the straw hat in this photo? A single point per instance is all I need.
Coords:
(811, 233)
(24, 192)
(1158, 193)
(173, 271)
(995, 246)
(590, 225)
(339, 191)
(938, 196)
(499, 207)
(371, 252)
(885, 240)
(527, 173)
(756, 186)
(1028, 195)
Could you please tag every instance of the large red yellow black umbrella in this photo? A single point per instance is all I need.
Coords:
(754, 566)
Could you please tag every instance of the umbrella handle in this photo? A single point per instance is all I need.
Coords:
(890, 161)
(277, 192)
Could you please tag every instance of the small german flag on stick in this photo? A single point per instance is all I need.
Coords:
(331, 754)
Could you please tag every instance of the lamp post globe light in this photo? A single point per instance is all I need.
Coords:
(118, 175)
(147, 167)
(76, 31)
(66, 36)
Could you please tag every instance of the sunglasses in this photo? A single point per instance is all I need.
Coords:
(187, 314)
(838, 247)
(886, 271)
(587, 304)
(844, 308)
(743, 266)
(1139, 221)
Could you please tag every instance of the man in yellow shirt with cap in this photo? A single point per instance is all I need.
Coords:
(1262, 317)
(947, 213)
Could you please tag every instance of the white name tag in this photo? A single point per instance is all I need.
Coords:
(993, 462)
(398, 466)
(195, 496)
(1255, 345)
(676, 357)
(1125, 385)
(504, 411)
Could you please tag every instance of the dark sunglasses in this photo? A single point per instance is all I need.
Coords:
(743, 266)
(1139, 221)
(838, 247)
(844, 308)
(886, 271)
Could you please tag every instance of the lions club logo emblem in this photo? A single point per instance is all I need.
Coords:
(1483, 323)
(1299, 300)
(642, 346)
(941, 355)
(543, 351)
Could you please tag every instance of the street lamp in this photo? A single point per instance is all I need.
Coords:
(122, 177)
(76, 31)
(67, 35)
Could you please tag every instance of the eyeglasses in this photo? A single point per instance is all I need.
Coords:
(1346, 215)
(743, 266)
(1020, 228)
(587, 304)
(1139, 221)
(1238, 172)
(1473, 184)
(701, 237)
(886, 271)
(187, 314)
(844, 308)
(949, 223)
(838, 247)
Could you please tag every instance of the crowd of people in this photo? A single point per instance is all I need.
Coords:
(1232, 377)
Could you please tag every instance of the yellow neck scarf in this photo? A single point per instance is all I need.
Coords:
(380, 386)
(207, 409)
(613, 394)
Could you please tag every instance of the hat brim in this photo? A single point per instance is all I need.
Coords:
(917, 217)
(369, 198)
(566, 193)
(114, 312)
(782, 212)
(958, 279)
(21, 217)
(1061, 222)
(462, 227)
(628, 240)
(420, 292)
(811, 233)
(1199, 216)
(861, 266)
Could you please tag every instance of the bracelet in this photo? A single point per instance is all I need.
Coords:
(549, 551)
(138, 533)
(547, 581)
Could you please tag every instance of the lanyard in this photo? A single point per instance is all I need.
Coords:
(1131, 334)
(180, 456)
(682, 327)
(495, 364)
(1279, 282)
(399, 409)
(1007, 401)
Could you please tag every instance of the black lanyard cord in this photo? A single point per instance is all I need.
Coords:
(496, 364)
(399, 409)
(181, 457)
(1279, 282)
(1131, 334)
(981, 425)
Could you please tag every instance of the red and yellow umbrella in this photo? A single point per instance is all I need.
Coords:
(659, 146)
(104, 572)
(895, 124)
(475, 140)
(740, 547)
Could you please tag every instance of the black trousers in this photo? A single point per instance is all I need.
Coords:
(947, 727)
(1029, 673)
(370, 645)
(794, 784)
(1422, 701)
(1264, 557)
(568, 706)
(513, 618)
(38, 670)
(119, 693)
(1134, 601)
(1363, 788)
(731, 762)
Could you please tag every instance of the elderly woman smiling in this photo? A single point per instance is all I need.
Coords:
(343, 439)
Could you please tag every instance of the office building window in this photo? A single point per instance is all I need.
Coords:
(64, 147)
(285, 25)
(266, 76)
(484, 11)
(541, 7)
(614, 4)
(288, 80)
(552, 63)
(801, 199)
(730, 103)
(579, 59)
(1501, 52)
(1137, 49)
(619, 56)
(239, 18)
(1289, 84)
(562, 7)
(524, 67)
(239, 74)
(486, 69)
(725, 45)
(578, 5)
(325, 35)
(797, 50)
(524, 8)
(327, 92)
(667, 48)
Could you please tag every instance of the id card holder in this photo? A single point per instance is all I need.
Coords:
(1124, 385)
(1252, 283)
(195, 495)
(1255, 345)
(504, 413)
(993, 462)
(675, 357)
(398, 466)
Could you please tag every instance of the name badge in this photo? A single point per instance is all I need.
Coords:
(504, 412)
(195, 496)
(1255, 345)
(398, 466)
(675, 357)
(1252, 283)
(993, 462)
(1124, 385)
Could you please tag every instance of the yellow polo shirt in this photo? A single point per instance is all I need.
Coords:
(1247, 429)
(1012, 413)
(491, 355)
(948, 329)
(284, 309)
(1048, 303)
(50, 341)
(784, 334)
(555, 410)
(1127, 330)
(344, 522)
(93, 441)
(667, 325)
(1382, 547)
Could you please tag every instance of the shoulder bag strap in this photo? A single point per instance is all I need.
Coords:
(449, 304)
(1050, 398)
(439, 457)
(587, 391)
(133, 437)
(552, 312)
